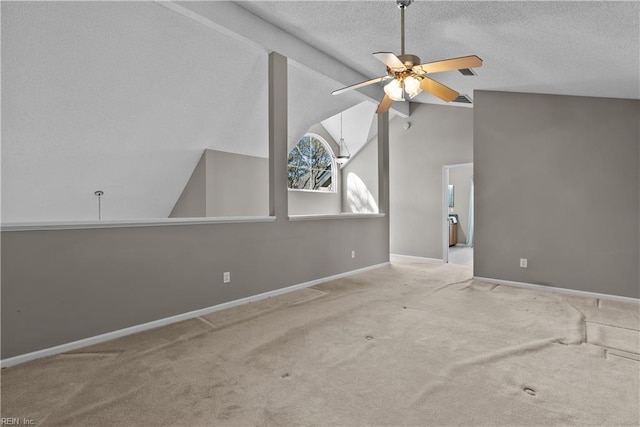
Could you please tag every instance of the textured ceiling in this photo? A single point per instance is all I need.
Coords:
(570, 48)
(124, 96)
(359, 125)
(119, 97)
(355, 125)
(310, 100)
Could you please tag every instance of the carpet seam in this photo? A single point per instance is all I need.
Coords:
(612, 326)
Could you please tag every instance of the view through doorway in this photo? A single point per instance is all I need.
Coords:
(458, 213)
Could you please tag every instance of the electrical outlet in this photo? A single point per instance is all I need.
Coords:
(353, 254)
(226, 277)
(523, 262)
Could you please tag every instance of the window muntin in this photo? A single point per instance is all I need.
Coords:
(310, 165)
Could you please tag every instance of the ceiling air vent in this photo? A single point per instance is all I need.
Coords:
(467, 72)
(463, 99)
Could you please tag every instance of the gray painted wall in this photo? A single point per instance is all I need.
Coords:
(303, 202)
(89, 282)
(556, 181)
(360, 180)
(460, 177)
(193, 199)
(65, 285)
(237, 185)
(438, 136)
(225, 184)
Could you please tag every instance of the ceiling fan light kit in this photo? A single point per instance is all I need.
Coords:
(394, 90)
(409, 77)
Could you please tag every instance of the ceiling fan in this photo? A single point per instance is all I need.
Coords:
(409, 76)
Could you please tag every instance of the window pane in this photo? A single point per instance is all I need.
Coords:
(310, 165)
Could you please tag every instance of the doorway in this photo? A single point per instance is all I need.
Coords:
(457, 214)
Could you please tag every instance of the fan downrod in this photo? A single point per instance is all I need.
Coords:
(402, 5)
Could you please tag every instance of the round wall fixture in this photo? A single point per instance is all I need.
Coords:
(406, 125)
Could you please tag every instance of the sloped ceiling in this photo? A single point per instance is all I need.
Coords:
(310, 101)
(358, 126)
(121, 97)
(124, 96)
(582, 48)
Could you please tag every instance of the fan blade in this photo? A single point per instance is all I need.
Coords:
(471, 61)
(438, 89)
(390, 60)
(359, 85)
(385, 104)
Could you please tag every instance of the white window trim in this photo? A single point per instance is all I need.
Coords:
(306, 190)
(344, 215)
(334, 168)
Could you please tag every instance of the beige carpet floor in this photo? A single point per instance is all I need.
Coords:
(410, 344)
(461, 255)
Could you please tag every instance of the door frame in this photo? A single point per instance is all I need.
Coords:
(445, 207)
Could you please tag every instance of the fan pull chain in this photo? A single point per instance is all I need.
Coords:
(402, 4)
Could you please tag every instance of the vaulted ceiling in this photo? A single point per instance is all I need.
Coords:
(582, 48)
(124, 96)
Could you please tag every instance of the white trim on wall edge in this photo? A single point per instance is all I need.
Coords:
(566, 291)
(119, 223)
(418, 258)
(346, 215)
(74, 345)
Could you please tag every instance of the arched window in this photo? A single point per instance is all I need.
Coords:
(311, 165)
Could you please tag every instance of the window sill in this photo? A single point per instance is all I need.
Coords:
(335, 216)
(303, 190)
(78, 225)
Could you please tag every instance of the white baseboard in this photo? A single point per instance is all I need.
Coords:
(558, 290)
(63, 348)
(418, 258)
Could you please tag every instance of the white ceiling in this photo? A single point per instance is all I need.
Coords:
(569, 48)
(124, 96)
(358, 126)
(310, 100)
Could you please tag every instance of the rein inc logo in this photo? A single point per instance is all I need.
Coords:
(6, 421)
